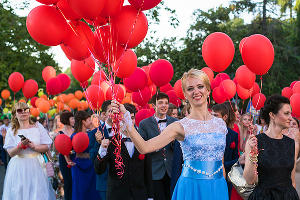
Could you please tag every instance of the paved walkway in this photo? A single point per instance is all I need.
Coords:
(2, 175)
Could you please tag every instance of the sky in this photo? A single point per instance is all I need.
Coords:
(184, 10)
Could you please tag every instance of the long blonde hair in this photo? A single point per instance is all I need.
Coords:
(15, 125)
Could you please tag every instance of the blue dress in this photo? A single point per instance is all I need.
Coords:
(83, 178)
(203, 149)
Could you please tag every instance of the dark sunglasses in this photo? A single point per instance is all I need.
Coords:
(20, 110)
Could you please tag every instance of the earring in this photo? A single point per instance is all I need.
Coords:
(186, 101)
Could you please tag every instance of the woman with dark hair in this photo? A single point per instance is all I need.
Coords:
(272, 155)
(25, 141)
(83, 174)
(67, 119)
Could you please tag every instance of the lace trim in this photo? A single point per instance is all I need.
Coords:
(198, 171)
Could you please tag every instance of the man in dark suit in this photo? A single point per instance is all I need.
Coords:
(136, 181)
(95, 138)
(231, 154)
(161, 159)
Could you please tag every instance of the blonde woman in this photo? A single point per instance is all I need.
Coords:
(202, 138)
(25, 141)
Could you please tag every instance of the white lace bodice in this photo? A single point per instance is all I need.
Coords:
(204, 140)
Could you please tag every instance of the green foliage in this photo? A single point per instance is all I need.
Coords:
(19, 52)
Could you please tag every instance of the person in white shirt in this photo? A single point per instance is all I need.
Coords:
(3, 130)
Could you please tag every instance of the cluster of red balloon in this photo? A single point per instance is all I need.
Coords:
(16, 82)
(55, 84)
(64, 145)
(293, 93)
(258, 55)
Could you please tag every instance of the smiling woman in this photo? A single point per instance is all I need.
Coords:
(202, 138)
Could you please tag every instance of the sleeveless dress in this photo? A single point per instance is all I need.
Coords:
(26, 177)
(203, 149)
(275, 164)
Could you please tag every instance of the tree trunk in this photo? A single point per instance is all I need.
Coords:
(264, 17)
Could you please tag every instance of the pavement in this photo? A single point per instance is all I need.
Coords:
(2, 175)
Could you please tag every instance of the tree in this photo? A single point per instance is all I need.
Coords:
(19, 52)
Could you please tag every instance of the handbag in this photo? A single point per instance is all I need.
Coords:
(238, 181)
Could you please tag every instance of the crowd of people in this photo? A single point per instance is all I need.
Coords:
(175, 154)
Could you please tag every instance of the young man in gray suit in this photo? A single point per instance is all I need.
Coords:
(161, 159)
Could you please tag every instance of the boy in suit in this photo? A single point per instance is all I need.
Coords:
(136, 181)
(161, 159)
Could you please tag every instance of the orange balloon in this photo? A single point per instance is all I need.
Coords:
(38, 101)
(78, 94)
(44, 106)
(44, 97)
(0, 102)
(60, 106)
(5, 94)
(52, 102)
(34, 112)
(73, 103)
(85, 105)
(22, 100)
(69, 97)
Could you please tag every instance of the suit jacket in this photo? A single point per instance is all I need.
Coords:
(136, 182)
(231, 154)
(101, 180)
(148, 128)
(177, 165)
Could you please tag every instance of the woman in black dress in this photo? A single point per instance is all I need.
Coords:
(275, 161)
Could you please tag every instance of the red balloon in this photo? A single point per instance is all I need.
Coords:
(166, 88)
(107, 49)
(218, 51)
(118, 93)
(287, 92)
(136, 81)
(65, 81)
(229, 88)
(30, 88)
(141, 97)
(65, 8)
(292, 84)
(83, 70)
(208, 72)
(218, 95)
(153, 89)
(130, 26)
(33, 100)
(94, 96)
(255, 90)
(218, 79)
(242, 92)
(63, 144)
(80, 41)
(53, 86)
(141, 115)
(15, 81)
(111, 8)
(89, 9)
(258, 101)
(245, 77)
(294, 100)
(80, 142)
(48, 72)
(161, 72)
(48, 2)
(178, 89)
(126, 64)
(147, 70)
(296, 87)
(258, 54)
(242, 44)
(173, 98)
(98, 77)
(46, 25)
(144, 4)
